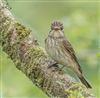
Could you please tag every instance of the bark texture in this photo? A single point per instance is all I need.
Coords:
(23, 49)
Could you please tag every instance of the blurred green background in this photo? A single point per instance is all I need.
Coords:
(81, 23)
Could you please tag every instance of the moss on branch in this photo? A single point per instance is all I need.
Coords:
(17, 41)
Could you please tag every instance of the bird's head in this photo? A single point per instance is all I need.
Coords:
(56, 25)
(56, 29)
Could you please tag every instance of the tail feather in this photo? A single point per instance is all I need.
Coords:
(83, 80)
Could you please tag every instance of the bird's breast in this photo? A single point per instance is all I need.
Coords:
(55, 51)
(50, 46)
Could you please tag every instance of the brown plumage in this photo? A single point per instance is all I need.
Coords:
(60, 49)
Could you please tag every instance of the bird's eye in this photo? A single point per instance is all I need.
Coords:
(61, 28)
(51, 27)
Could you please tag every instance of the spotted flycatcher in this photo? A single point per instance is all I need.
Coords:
(61, 51)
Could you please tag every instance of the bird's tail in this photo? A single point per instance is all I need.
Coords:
(83, 80)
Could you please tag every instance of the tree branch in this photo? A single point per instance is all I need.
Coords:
(23, 49)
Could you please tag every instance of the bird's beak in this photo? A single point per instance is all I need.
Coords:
(56, 28)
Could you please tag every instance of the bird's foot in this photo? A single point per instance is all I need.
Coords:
(53, 65)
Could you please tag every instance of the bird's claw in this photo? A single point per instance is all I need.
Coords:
(53, 65)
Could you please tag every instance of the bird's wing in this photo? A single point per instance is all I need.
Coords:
(69, 49)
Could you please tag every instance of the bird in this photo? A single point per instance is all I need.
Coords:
(61, 51)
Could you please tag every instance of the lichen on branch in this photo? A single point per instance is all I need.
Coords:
(23, 49)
